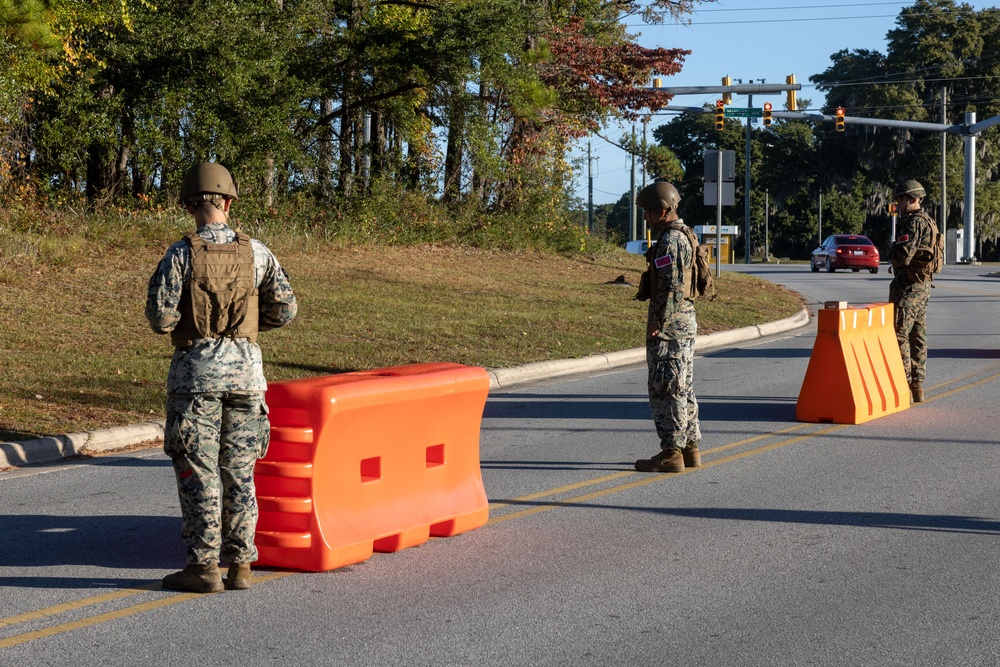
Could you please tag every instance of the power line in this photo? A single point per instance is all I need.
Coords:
(839, 84)
(836, 6)
(798, 20)
(688, 22)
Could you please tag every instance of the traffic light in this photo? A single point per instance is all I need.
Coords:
(720, 115)
(790, 103)
(892, 208)
(840, 119)
(727, 95)
(767, 114)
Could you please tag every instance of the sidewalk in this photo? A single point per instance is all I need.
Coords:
(55, 448)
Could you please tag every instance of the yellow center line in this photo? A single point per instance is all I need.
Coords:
(652, 479)
(544, 507)
(962, 388)
(628, 473)
(109, 616)
(76, 604)
(964, 378)
(562, 489)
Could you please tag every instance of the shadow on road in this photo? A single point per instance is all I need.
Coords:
(581, 406)
(894, 520)
(115, 541)
(962, 353)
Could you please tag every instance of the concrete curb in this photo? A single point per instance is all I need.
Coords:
(508, 377)
(55, 448)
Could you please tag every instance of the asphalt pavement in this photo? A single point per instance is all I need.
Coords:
(104, 441)
(793, 544)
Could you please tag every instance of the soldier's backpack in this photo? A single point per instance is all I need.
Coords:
(700, 280)
(927, 260)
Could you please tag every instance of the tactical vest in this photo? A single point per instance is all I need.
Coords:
(698, 279)
(220, 301)
(927, 260)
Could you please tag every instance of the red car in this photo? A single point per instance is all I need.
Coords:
(845, 251)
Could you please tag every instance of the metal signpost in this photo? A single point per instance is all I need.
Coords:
(720, 170)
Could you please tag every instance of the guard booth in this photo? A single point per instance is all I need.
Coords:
(954, 247)
(707, 235)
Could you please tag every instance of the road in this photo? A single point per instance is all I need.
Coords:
(794, 544)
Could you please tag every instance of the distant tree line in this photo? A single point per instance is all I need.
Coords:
(937, 46)
(460, 102)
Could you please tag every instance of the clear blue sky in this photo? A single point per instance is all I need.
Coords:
(748, 40)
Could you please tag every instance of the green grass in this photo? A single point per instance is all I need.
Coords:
(77, 353)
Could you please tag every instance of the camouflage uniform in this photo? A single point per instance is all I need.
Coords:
(670, 354)
(910, 298)
(217, 424)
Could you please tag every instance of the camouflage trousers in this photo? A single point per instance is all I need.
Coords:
(214, 440)
(909, 318)
(671, 391)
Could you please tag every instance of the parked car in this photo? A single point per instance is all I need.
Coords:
(845, 251)
(638, 247)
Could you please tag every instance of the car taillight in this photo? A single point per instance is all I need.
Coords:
(839, 251)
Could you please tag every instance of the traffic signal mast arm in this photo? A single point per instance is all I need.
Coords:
(960, 130)
(739, 89)
(879, 122)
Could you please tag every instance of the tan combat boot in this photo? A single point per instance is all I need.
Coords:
(917, 389)
(195, 579)
(668, 460)
(692, 457)
(240, 578)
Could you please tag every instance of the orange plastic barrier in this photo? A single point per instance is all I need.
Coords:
(855, 373)
(370, 461)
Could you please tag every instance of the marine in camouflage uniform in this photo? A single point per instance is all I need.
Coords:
(671, 327)
(216, 423)
(909, 291)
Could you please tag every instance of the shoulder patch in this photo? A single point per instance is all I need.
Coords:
(661, 262)
(903, 239)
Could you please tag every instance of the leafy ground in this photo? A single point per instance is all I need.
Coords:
(77, 354)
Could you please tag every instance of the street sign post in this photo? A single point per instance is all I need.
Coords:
(728, 165)
(712, 193)
(744, 112)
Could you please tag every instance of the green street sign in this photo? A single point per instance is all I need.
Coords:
(744, 112)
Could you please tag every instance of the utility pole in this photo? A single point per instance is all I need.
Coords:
(645, 138)
(970, 192)
(746, 187)
(767, 214)
(590, 192)
(631, 189)
(821, 218)
(944, 164)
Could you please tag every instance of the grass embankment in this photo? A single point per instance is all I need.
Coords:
(77, 354)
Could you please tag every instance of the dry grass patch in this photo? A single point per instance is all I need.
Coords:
(77, 354)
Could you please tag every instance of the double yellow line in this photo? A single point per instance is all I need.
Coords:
(961, 384)
(102, 618)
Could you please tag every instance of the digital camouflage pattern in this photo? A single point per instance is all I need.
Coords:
(909, 316)
(672, 401)
(670, 354)
(217, 423)
(221, 364)
(909, 298)
(214, 440)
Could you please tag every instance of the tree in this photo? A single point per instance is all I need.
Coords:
(938, 46)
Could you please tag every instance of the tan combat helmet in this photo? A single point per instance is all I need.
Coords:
(208, 178)
(658, 196)
(911, 188)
